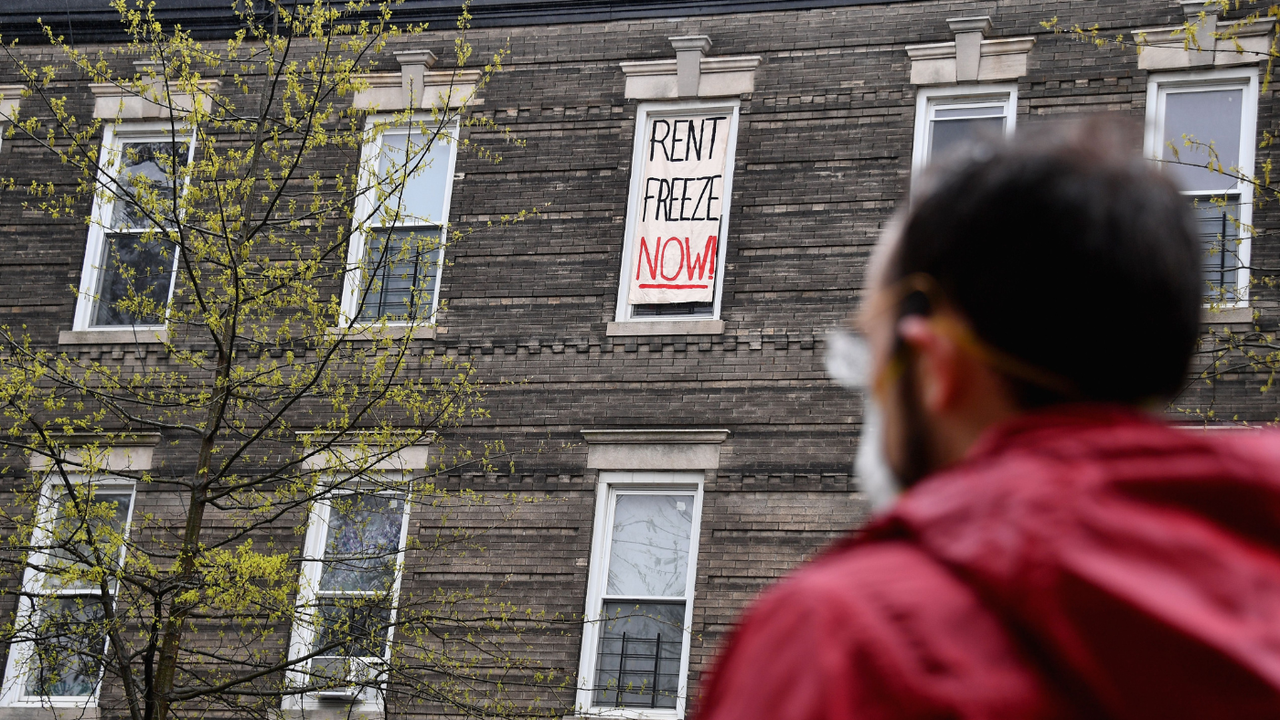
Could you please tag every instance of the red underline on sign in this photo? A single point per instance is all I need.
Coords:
(673, 287)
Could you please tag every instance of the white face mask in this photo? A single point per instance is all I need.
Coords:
(875, 477)
(848, 362)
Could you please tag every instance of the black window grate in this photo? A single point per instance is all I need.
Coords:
(638, 671)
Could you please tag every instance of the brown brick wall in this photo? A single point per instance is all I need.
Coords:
(823, 158)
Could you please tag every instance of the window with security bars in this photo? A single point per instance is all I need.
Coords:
(1201, 126)
(350, 585)
(61, 628)
(130, 261)
(1216, 225)
(642, 599)
(397, 255)
(638, 664)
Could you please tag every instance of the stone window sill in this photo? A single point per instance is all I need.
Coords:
(1227, 315)
(32, 712)
(636, 328)
(390, 332)
(114, 336)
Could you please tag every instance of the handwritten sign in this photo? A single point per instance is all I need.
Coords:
(676, 233)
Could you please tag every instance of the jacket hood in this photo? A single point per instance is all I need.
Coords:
(1137, 563)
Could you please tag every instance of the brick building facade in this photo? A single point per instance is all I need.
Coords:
(719, 408)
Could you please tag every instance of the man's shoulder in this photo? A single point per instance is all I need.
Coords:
(867, 627)
(901, 600)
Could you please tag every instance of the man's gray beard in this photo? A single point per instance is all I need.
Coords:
(875, 478)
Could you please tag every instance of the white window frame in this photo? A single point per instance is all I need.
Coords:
(109, 157)
(643, 110)
(376, 128)
(303, 633)
(613, 483)
(17, 664)
(1158, 86)
(929, 100)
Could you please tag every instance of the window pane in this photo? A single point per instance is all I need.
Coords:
(352, 627)
(946, 113)
(1204, 118)
(1220, 237)
(649, 555)
(691, 309)
(138, 272)
(148, 172)
(69, 649)
(639, 659)
(415, 189)
(950, 136)
(401, 266)
(362, 543)
(80, 535)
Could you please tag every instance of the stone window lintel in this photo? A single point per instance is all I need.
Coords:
(691, 74)
(112, 101)
(416, 86)
(1169, 47)
(971, 57)
(654, 449)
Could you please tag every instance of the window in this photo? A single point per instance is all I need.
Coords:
(678, 211)
(62, 638)
(1201, 127)
(347, 599)
(950, 118)
(130, 263)
(401, 223)
(640, 594)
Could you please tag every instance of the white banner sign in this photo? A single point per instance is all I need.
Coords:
(675, 239)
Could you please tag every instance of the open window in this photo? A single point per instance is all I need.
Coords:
(397, 249)
(347, 597)
(130, 260)
(1200, 127)
(635, 654)
(61, 625)
(949, 119)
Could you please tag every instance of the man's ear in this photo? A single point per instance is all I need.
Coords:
(939, 363)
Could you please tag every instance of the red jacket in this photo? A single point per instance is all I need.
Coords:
(1082, 562)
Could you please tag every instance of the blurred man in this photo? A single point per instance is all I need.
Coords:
(1058, 551)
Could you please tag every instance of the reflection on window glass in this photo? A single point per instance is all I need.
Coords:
(352, 627)
(643, 614)
(357, 578)
(649, 554)
(1202, 149)
(1219, 235)
(84, 535)
(67, 661)
(955, 128)
(146, 183)
(362, 543)
(136, 276)
(639, 656)
(403, 248)
(688, 310)
(401, 267)
(1203, 128)
(135, 271)
(414, 188)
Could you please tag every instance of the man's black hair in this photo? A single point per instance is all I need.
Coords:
(1069, 252)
